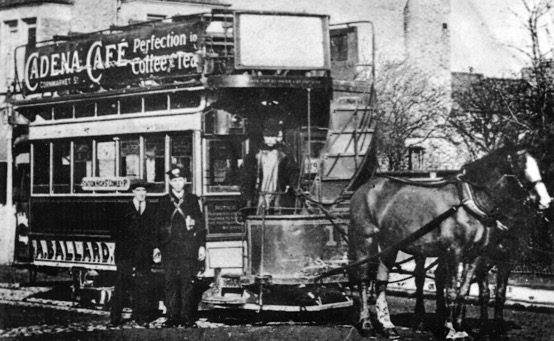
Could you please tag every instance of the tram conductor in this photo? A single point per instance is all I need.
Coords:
(182, 241)
(134, 245)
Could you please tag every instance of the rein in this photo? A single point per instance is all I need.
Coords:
(430, 184)
(430, 226)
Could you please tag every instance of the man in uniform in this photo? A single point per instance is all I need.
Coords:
(182, 241)
(134, 245)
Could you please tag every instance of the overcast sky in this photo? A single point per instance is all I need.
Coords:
(486, 34)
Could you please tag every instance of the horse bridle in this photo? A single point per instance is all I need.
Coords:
(474, 206)
(528, 186)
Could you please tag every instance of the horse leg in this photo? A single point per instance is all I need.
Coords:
(458, 298)
(381, 306)
(362, 277)
(419, 277)
(502, 276)
(482, 278)
(451, 284)
(365, 325)
(440, 281)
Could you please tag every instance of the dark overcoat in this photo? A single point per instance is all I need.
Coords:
(135, 237)
(176, 242)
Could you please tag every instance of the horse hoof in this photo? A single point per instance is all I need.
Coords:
(365, 332)
(391, 333)
(458, 336)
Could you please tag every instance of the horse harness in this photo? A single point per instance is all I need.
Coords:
(467, 200)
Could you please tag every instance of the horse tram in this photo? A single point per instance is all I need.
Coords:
(107, 108)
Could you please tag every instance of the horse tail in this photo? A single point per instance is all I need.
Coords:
(362, 232)
(361, 218)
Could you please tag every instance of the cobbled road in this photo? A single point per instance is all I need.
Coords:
(23, 316)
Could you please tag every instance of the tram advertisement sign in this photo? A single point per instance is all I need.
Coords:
(114, 60)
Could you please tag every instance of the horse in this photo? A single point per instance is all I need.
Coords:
(499, 256)
(384, 211)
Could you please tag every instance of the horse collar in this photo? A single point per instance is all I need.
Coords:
(468, 201)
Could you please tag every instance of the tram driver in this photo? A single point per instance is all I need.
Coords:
(270, 172)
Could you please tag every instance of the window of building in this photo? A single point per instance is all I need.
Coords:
(31, 31)
(416, 158)
(12, 26)
(224, 157)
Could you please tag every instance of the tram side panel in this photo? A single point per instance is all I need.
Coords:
(68, 232)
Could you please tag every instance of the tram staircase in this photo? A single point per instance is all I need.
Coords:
(348, 159)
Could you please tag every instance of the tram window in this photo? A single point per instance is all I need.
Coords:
(184, 99)
(107, 107)
(105, 159)
(41, 167)
(130, 105)
(130, 157)
(154, 165)
(181, 151)
(224, 158)
(155, 102)
(82, 167)
(61, 166)
(63, 111)
(84, 109)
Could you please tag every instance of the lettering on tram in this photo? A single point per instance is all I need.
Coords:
(113, 59)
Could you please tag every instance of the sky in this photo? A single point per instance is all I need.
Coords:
(486, 35)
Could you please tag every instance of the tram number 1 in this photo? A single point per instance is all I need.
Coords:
(331, 241)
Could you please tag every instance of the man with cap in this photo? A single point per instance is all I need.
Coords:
(182, 241)
(270, 172)
(134, 245)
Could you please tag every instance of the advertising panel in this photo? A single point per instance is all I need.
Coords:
(114, 60)
(282, 41)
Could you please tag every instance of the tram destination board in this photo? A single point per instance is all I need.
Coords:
(221, 215)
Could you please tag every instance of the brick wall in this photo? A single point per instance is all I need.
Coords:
(90, 16)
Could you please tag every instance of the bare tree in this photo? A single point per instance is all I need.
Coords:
(409, 106)
(487, 111)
